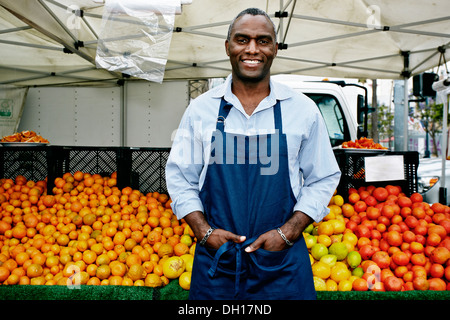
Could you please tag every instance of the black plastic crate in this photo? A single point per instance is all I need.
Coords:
(34, 162)
(148, 169)
(101, 160)
(139, 168)
(351, 163)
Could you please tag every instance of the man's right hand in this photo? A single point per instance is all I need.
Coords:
(218, 237)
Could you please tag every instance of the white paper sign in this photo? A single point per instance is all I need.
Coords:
(384, 168)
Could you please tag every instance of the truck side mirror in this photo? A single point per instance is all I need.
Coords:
(360, 109)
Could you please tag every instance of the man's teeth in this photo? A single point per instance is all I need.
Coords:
(252, 61)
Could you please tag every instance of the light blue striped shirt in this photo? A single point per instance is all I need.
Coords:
(313, 171)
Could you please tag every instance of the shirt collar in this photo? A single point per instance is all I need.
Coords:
(277, 91)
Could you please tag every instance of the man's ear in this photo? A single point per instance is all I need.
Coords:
(276, 49)
(226, 47)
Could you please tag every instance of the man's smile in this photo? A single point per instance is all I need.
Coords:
(251, 62)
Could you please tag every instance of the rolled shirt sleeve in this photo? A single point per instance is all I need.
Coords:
(320, 171)
(183, 169)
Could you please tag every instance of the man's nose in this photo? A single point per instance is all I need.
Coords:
(252, 46)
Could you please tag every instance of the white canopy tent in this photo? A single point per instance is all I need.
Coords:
(53, 42)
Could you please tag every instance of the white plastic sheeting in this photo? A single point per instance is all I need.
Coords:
(135, 37)
(50, 42)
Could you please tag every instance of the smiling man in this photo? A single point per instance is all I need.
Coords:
(249, 220)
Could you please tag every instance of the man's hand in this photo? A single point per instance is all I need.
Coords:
(218, 237)
(292, 229)
(270, 241)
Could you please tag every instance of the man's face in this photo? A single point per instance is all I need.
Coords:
(251, 48)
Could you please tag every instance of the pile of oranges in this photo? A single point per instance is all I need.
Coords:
(401, 243)
(90, 232)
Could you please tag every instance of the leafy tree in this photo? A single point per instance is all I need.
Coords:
(431, 116)
(385, 123)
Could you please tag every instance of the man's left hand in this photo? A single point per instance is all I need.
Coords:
(270, 241)
(292, 229)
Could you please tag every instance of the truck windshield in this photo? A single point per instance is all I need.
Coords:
(333, 116)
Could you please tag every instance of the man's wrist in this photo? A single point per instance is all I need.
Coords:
(294, 227)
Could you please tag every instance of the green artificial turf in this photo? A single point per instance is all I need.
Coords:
(174, 292)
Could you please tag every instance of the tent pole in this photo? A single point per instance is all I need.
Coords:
(406, 73)
(123, 113)
(405, 128)
(443, 189)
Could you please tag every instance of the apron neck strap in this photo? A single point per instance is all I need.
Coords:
(277, 117)
(225, 109)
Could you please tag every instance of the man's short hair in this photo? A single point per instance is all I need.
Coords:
(253, 12)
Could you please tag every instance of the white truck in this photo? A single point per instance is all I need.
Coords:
(344, 111)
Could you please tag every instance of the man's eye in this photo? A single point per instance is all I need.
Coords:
(242, 40)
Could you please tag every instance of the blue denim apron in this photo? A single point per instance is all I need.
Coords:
(237, 197)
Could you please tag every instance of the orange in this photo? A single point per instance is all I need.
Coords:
(89, 256)
(4, 274)
(144, 255)
(115, 280)
(360, 284)
(148, 266)
(93, 281)
(133, 259)
(34, 270)
(39, 258)
(180, 249)
(154, 237)
(153, 280)
(4, 226)
(102, 259)
(22, 257)
(136, 272)
(13, 279)
(103, 272)
(354, 197)
(165, 250)
(164, 222)
(137, 236)
(119, 238)
(129, 244)
(118, 269)
(421, 283)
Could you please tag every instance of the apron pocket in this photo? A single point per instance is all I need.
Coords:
(227, 261)
(278, 274)
(269, 260)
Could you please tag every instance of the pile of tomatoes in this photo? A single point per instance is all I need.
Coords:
(403, 241)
